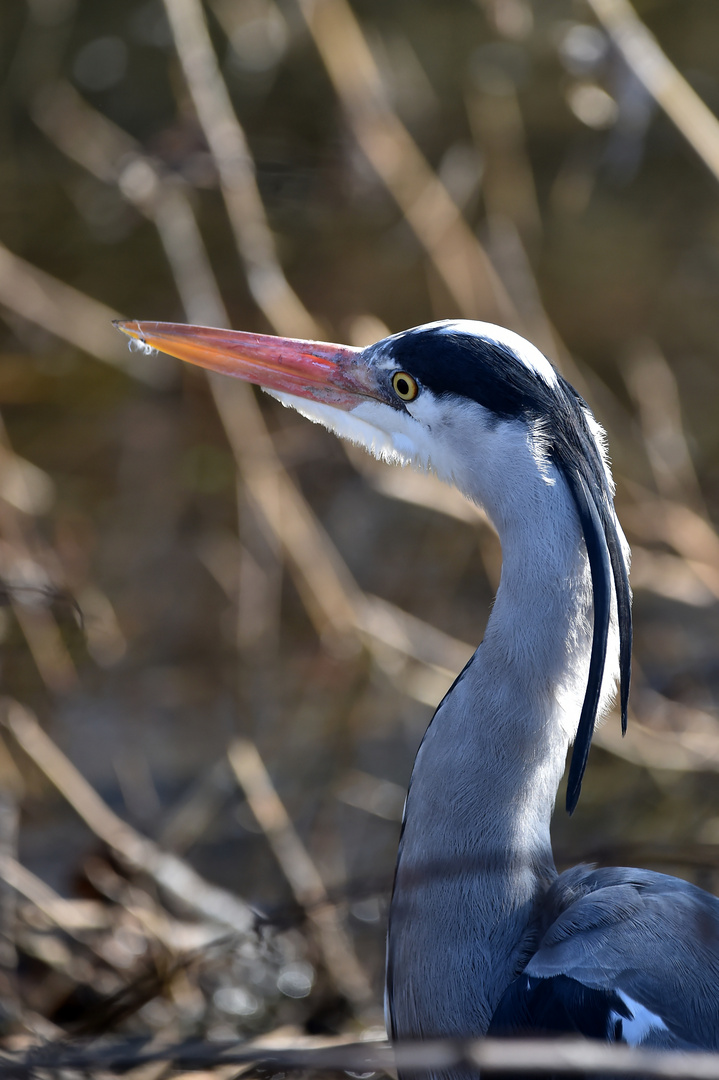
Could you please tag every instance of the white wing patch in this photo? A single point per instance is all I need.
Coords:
(642, 1024)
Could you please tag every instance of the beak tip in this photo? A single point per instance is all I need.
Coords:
(126, 326)
(134, 331)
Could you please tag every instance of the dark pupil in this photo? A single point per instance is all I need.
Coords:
(402, 386)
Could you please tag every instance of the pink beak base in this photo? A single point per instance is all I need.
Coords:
(308, 369)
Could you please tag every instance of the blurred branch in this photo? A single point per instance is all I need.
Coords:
(300, 871)
(281, 306)
(22, 484)
(665, 734)
(658, 75)
(69, 915)
(175, 935)
(72, 316)
(78, 917)
(186, 821)
(654, 389)
(322, 577)
(44, 640)
(167, 871)
(271, 815)
(673, 577)
(386, 624)
(25, 568)
(435, 219)
(383, 798)
(513, 220)
(26, 561)
(9, 822)
(507, 180)
(563, 1056)
(691, 535)
(114, 157)
(73, 917)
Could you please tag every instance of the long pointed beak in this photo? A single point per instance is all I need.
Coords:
(333, 374)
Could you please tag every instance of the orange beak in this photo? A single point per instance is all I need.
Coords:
(333, 374)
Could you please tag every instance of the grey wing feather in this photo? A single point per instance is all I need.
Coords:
(651, 937)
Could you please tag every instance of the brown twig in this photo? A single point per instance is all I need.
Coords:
(435, 219)
(300, 871)
(655, 71)
(691, 535)
(228, 145)
(69, 915)
(654, 389)
(167, 871)
(26, 561)
(72, 316)
(563, 1056)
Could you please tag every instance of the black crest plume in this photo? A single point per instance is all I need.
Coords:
(574, 450)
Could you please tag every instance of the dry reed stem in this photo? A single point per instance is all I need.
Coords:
(508, 185)
(672, 577)
(21, 568)
(653, 387)
(279, 303)
(648, 748)
(69, 915)
(188, 819)
(660, 78)
(44, 640)
(271, 815)
(691, 535)
(300, 871)
(167, 871)
(559, 1056)
(71, 315)
(178, 937)
(513, 218)
(114, 157)
(432, 215)
(74, 917)
(326, 585)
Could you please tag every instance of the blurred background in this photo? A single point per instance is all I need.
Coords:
(222, 632)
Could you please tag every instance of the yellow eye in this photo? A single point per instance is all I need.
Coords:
(404, 386)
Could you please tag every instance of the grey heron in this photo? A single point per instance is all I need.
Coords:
(484, 935)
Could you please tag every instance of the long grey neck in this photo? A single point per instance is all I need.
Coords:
(475, 856)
